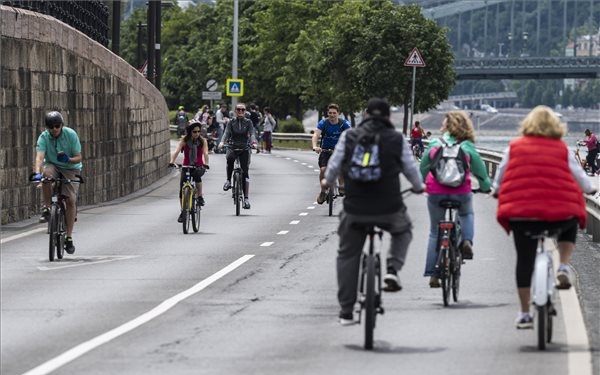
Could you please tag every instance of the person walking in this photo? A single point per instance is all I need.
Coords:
(58, 151)
(268, 128)
(591, 142)
(378, 202)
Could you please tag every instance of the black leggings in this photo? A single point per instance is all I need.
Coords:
(526, 246)
(244, 164)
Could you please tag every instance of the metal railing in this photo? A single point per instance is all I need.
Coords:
(90, 16)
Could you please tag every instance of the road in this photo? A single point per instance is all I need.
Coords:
(256, 293)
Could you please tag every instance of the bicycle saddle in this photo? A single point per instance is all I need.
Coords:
(448, 203)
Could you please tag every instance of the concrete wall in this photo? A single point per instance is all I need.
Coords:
(122, 119)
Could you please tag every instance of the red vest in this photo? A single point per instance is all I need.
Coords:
(538, 183)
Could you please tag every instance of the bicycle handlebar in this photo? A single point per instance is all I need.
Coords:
(47, 180)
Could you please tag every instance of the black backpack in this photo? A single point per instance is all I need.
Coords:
(449, 164)
(363, 159)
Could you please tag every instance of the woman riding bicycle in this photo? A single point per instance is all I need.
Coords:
(456, 128)
(239, 135)
(195, 153)
(551, 200)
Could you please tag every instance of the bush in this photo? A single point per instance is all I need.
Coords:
(290, 126)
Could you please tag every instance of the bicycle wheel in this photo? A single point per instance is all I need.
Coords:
(551, 313)
(370, 302)
(237, 193)
(330, 200)
(61, 234)
(456, 274)
(186, 204)
(445, 277)
(542, 326)
(52, 232)
(195, 215)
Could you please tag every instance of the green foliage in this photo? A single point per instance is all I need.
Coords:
(292, 125)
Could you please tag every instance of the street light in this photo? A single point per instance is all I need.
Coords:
(500, 49)
(524, 47)
(510, 44)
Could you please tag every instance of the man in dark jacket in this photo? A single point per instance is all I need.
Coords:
(376, 202)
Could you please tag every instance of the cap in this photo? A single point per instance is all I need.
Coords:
(378, 107)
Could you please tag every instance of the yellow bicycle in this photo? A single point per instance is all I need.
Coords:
(189, 204)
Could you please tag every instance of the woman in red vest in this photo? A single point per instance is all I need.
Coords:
(528, 199)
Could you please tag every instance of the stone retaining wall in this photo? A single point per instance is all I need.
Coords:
(121, 119)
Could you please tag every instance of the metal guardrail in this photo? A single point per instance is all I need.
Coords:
(491, 159)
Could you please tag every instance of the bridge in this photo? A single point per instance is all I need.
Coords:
(528, 68)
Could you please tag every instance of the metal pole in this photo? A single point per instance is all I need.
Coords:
(139, 45)
(151, 35)
(412, 98)
(234, 63)
(157, 47)
(116, 27)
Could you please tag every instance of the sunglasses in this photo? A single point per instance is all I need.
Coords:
(240, 109)
(195, 131)
(55, 126)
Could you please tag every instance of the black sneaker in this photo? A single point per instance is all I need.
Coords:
(69, 247)
(45, 215)
(347, 319)
(524, 322)
(180, 218)
(227, 185)
(200, 201)
(341, 191)
(246, 204)
(467, 250)
(392, 282)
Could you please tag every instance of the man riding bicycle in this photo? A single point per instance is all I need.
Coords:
(378, 202)
(239, 134)
(416, 137)
(58, 151)
(327, 134)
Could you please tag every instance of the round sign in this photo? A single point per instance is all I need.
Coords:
(211, 85)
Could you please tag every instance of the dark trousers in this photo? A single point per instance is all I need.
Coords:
(591, 159)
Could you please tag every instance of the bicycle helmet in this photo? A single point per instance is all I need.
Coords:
(54, 118)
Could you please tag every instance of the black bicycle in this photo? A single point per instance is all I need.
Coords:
(237, 181)
(331, 196)
(449, 256)
(57, 223)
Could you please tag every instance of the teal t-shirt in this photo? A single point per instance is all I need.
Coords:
(67, 142)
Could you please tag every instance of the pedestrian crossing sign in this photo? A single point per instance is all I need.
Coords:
(414, 59)
(235, 87)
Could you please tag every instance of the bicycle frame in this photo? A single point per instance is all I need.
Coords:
(189, 206)
(449, 258)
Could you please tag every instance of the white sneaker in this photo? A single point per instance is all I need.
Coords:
(524, 321)
(563, 276)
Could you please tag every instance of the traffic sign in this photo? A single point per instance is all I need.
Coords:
(415, 59)
(211, 85)
(235, 87)
(211, 95)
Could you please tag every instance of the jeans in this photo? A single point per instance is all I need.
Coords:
(436, 213)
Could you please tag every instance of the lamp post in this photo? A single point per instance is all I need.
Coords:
(139, 44)
(500, 49)
(510, 44)
(524, 52)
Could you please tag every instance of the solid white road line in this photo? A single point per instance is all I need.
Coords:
(166, 305)
(24, 234)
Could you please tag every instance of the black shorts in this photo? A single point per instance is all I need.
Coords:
(324, 157)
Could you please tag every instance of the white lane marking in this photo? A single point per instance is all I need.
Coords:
(166, 305)
(579, 356)
(295, 161)
(24, 234)
(310, 207)
(303, 213)
(316, 170)
(294, 222)
(303, 163)
(265, 244)
(85, 261)
(288, 158)
(310, 166)
(283, 232)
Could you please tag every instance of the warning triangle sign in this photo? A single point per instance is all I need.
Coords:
(414, 59)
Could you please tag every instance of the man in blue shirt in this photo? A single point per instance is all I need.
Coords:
(324, 139)
(58, 150)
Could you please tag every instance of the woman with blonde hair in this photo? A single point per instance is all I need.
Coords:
(456, 128)
(540, 185)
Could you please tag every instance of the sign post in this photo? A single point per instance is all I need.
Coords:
(416, 61)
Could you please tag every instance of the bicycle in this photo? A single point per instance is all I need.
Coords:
(543, 288)
(331, 196)
(57, 223)
(189, 205)
(449, 259)
(369, 293)
(237, 186)
(417, 152)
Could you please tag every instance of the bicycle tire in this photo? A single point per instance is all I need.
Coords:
(61, 234)
(52, 232)
(330, 200)
(237, 196)
(445, 278)
(195, 215)
(456, 275)
(549, 326)
(370, 302)
(542, 326)
(186, 203)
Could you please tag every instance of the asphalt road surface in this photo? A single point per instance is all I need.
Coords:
(256, 294)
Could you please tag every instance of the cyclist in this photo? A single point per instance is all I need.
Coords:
(239, 133)
(195, 152)
(591, 142)
(456, 127)
(327, 134)
(379, 203)
(181, 120)
(551, 200)
(416, 137)
(58, 151)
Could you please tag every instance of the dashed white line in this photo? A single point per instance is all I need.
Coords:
(296, 161)
(316, 170)
(266, 244)
(166, 305)
(310, 166)
(283, 232)
(310, 207)
(303, 214)
(25, 234)
(294, 222)
(303, 163)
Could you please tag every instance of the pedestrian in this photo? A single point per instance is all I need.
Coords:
(268, 127)
(58, 152)
(377, 202)
(181, 120)
(222, 118)
(591, 142)
(553, 200)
